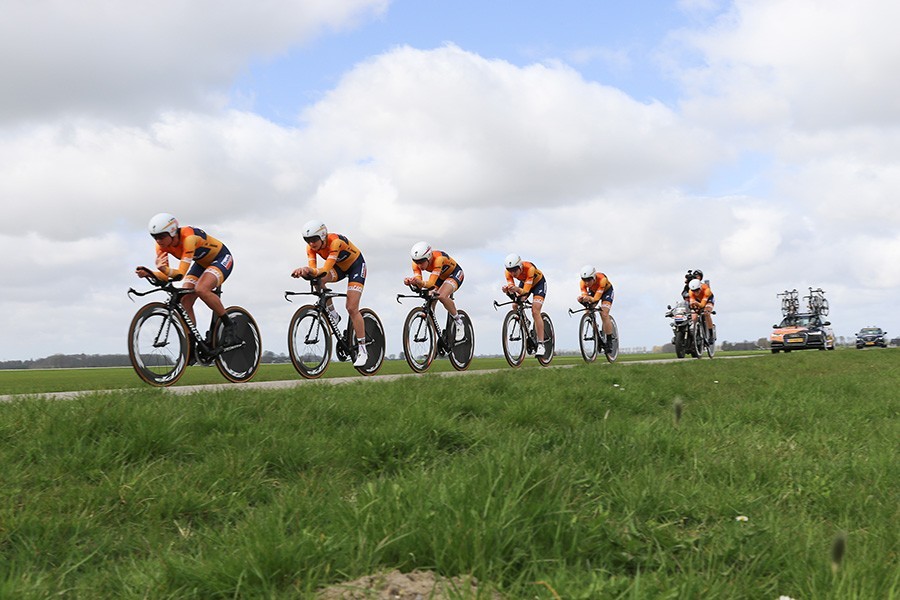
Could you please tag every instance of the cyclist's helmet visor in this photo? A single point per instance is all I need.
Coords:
(311, 239)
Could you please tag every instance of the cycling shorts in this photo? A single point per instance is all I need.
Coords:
(539, 290)
(355, 274)
(608, 296)
(221, 267)
(456, 277)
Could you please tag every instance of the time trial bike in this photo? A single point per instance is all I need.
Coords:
(312, 329)
(423, 337)
(519, 336)
(591, 337)
(163, 340)
(698, 340)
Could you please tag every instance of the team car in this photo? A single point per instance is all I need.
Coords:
(802, 331)
(871, 336)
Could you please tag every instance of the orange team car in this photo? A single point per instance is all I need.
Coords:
(802, 331)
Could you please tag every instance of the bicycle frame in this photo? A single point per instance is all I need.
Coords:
(206, 353)
(520, 306)
(323, 295)
(444, 346)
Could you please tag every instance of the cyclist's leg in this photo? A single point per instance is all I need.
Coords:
(448, 287)
(538, 293)
(709, 322)
(537, 302)
(356, 280)
(605, 305)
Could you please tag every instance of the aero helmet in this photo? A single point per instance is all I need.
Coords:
(588, 272)
(314, 229)
(421, 251)
(694, 285)
(512, 261)
(163, 223)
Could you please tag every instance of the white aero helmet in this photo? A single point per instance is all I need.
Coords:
(694, 285)
(315, 229)
(163, 223)
(588, 272)
(421, 251)
(512, 261)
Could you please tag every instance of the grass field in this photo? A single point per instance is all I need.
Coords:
(582, 478)
(35, 381)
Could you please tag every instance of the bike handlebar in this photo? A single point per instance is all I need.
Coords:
(162, 286)
(313, 291)
(422, 293)
(513, 299)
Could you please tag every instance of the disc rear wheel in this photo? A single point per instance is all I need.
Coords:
(612, 343)
(374, 342)
(461, 352)
(549, 341)
(241, 363)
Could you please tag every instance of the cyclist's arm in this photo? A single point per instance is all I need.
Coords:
(435, 273)
(311, 260)
(528, 282)
(166, 272)
(602, 285)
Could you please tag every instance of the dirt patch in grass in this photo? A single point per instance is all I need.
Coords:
(417, 585)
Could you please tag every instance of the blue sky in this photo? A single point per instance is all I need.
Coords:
(614, 43)
(757, 140)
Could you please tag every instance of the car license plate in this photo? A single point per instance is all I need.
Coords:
(795, 341)
(870, 343)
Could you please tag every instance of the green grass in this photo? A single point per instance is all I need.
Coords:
(580, 478)
(36, 381)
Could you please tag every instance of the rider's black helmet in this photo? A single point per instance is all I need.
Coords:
(698, 274)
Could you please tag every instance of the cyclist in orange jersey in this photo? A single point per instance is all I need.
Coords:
(595, 287)
(700, 296)
(446, 277)
(342, 259)
(533, 282)
(205, 263)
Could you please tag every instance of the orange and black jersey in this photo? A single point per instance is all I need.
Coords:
(529, 275)
(440, 266)
(596, 288)
(703, 296)
(337, 251)
(194, 245)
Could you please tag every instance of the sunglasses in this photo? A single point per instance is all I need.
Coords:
(160, 236)
(310, 240)
(420, 261)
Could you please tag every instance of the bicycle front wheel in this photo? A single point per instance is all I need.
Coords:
(461, 352)
(309, 342)
(158, 344)
(697, 339)
(612, 345)
(240, 364)
(587, 338)
(549, 341)
(513, 339)
(419, 340)
(374, 342)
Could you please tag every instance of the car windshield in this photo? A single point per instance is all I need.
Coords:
(870, 331)
(800, 321)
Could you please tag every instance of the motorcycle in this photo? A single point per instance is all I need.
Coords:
(681, 329)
